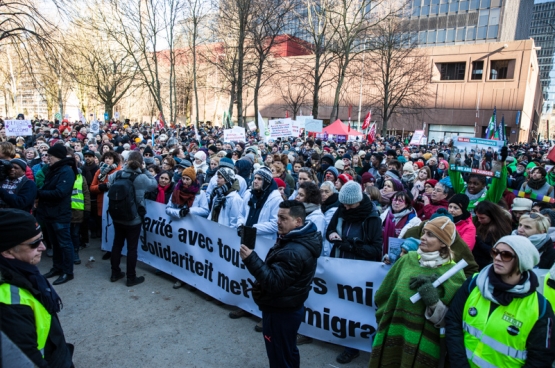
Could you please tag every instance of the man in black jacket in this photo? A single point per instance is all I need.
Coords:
(54, 211)
(283, 281)
(28, 303)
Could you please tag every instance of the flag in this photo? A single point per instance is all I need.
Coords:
(262, 128)
(286, 114)
(490, 131)
(160, 120)
(501, 129)
(349, 125)
(367, 120)
(372, 134)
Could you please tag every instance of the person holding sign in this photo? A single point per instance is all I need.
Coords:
(498, 318)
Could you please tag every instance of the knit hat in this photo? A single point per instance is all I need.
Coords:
(427, 156)
(339, 165)
(408, 167)
(350, 193)
(432, 182)
(368, 178)
(420, 164)
(347, 156)
(443, 228)
(442, 212)
(227, 162)
(333, 171)
(393, 174)
(19, 162)
(190, 172)
(280, 183)
(397, 185)
(446, 182)
(462, 201)
(327, 158)
(401, 159)
(265, 173)
(213, 148)
(410, 244)
(16, 226)
(344, 178)
(200, 155)
(58, 151)
(228, 174)
(148, 150)
(528, 255)
(522, 204)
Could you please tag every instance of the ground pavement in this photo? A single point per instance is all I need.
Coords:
(153, 325)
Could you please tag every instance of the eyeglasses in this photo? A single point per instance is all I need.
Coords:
(35, 244)
(147, 155)
(437, 190)
(506, 256)
(535, 215)
(45, 155)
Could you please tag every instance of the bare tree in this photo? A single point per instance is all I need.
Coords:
(400, 71)
(294, 95)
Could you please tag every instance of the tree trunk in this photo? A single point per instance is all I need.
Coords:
(256, 92)
(317, 78)
(195, 71)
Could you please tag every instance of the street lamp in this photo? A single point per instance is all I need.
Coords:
(361, 79)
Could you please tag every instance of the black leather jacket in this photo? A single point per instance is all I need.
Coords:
(283, 280)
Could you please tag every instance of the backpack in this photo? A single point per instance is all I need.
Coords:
(123, 204)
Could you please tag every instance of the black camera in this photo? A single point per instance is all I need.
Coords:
(5, 167)
(419, 198)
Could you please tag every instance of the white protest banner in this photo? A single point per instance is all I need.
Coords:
(252, 126)
(116, 115)
(340, 308)
(16, 128)
(417, 138)
(235, 134)
(314, 125)
(95, 127)
(476, 155)
(295, 128)
(264, 130)
(280, 128)
(301, 120)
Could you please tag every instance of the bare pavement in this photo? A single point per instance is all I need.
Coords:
(154, 325)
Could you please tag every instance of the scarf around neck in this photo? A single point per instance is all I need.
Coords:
(495, 290)
(431, 259)
(536, 184)
(161, 196)
(185, 195)
(332, 201)
(476, 196)
(310, 207)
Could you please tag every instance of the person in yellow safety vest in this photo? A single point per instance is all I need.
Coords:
(498, 318)
(80, 210)
(549, 285)
(28, 303)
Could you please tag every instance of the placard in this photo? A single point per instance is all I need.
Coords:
(476, 155)
(314, 125)
(295, 129)
(301, 120)
(16, 128)
(417, 138)
(95, 127)
(280, 128)
(252, 126)
(235, 134)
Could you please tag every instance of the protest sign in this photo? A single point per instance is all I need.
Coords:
(314, 125)
(95, 127)
(295, 128)
(235, 134)
(476, 155)
(16, 128)
(280, 128)
(301, 120)
(417, 138)
(252, 126)
(340, 308)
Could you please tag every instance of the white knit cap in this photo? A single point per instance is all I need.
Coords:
(350, 193)
(408, 167)
(528, 255)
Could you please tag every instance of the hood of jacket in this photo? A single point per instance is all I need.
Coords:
(307, 236)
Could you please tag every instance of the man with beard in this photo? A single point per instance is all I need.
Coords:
(54, 211)
(260, 210)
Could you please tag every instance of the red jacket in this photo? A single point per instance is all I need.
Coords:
(426, 212)
(467, 231)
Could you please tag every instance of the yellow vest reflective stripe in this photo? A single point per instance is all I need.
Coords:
(12, 295)
(499, 339)
(77, 197)
(548, 291)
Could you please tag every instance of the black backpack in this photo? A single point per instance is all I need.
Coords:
(123, 204)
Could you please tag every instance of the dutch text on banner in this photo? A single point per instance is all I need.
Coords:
(476, 155)
(235, 134)
(280, 128)
(340, 308)
(16, 128)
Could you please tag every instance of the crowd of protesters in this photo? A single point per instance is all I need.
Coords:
(358, 195)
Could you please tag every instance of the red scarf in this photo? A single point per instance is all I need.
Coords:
(161, 197)
(185, 195)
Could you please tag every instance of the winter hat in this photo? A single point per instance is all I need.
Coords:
(549, 213)
(190, 172)
(432, 182)
(446, 182)
(442, 212)
(393, 174)
(462, 201)
(420, 164)
(410, 244)
(528, 255)
(280, 183)
(347, 156)
(200, 155)
(228, 174)
(16, 226)
(148, 150)
(401, 159)
(213, 148)
(397, 185)
(333, 171)
(520, 204)
(58, 151)
(443, 228)
(19, 162)
(227, 162)
(265, 173)
(339, 165)
(408, 167)
(344, 178)
(328, 159)
(368, 178)
(350, 193)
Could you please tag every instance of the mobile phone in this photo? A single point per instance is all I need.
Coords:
(248, 236)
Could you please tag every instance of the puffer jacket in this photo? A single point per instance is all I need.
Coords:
(426, 212)
(467, 231)
(283, 280)
(55, 195)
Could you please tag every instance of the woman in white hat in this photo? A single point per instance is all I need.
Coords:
(498, 318)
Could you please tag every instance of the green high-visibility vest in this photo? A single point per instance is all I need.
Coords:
(13, 295)
(77, 196)
(499, 339)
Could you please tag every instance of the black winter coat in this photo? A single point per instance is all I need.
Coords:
(481, 251)
(283, 280)
(88, 172)
(55, 195)
(18, 324)
(547, 258)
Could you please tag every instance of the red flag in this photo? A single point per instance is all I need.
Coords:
(349, 123)
(367, 119)
(160, 120)
(551, 154)
(372, 134)
(286, 114)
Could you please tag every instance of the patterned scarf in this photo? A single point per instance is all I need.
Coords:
(185, 195)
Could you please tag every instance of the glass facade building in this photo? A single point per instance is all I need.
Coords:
(542, 30)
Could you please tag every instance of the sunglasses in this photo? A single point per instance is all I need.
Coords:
(35, 244)
(535, 215)
(45, 155)
(147, 155)
(506, 256)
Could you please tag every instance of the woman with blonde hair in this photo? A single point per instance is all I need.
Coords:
(535, 226)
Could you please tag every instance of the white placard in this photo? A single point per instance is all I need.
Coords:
(95, 127)
(416, 138)
(301, 120)
(314, 125)
(295, 128)
(116, 115)
(252, 126)
(235, 134)
(16, 128)
(280, 128)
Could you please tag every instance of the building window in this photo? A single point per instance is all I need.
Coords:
(502, 69)
(451, 71)
(477, 70)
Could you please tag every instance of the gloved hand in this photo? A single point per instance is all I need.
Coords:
(240, 230)
(343, 245)
(103, 187)
(417, 281)
(504, 153)
(429, 294)
(184, 211)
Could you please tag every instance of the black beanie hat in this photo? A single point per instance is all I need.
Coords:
(58, 151)
(462, 201)
(148, 150)
(16, 226)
